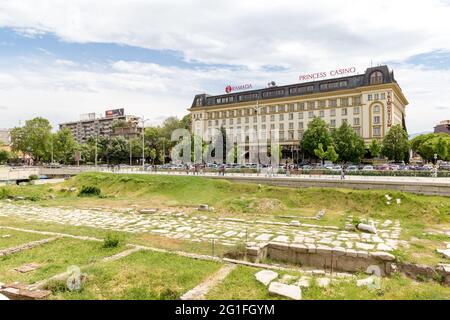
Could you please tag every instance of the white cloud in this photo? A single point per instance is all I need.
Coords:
(301, 36)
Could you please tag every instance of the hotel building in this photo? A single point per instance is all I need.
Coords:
(371, 103)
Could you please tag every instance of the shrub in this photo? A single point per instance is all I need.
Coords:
(90, 191)
(169, 294)
(111, 241)
(33, 177)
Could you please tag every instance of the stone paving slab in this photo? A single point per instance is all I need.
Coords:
(226, 231)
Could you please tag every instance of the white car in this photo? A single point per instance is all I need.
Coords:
(368, 168)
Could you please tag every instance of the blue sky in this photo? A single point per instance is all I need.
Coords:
(59, 60)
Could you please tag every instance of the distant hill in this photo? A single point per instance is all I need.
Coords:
(413, 135)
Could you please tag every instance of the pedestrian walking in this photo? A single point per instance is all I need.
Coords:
(342, 173)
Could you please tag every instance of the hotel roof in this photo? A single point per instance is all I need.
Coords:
(298, 89)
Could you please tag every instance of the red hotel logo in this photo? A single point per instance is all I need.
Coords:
(229, 88)
(332, 73)
(389, 109)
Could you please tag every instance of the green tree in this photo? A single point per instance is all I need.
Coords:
(320, 153)
(348, 144)
(374, 148)
(316, 133)
(64, 146)
(33, 139)
(426, 145)
(441, 148)
(4, 156)
(331, 154)
(395, 144)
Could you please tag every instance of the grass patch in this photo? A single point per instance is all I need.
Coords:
(142, 275)
(17, 238)
(53, 258)
(241, 284)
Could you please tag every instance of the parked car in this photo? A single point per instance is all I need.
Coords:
(368, 168)
(352, 168)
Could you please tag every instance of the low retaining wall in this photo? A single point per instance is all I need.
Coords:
(426, 188)
(336, 259)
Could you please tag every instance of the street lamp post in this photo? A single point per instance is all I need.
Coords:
(256, 108)
(143, 143)
(96, 140)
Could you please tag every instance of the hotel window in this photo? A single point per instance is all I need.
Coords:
(291, 107)
(263, 127)
(239, 112)
(281, 135)
(322, 113)
(281, 126)
(209, 123)
(305, 89)
(248, 97)
(300, 115)
(376, 109)
(272, 126)
(376, 77)
(291, 125)
(217, 122)
(223, 122)
(322, 103)
(369, 97)
(300, 135)
(291, 116)
(300, 125)
(273, 93)
(263, 118)
(311, 114)
(382, 96)
(356, 121)
(246, 128)
(263, 110)
(281, 108)
(344, 102)
(357, 131)
(272, 117)
(357, 101)
(332, 123)
(377, 131)
(231, 121)
(333, 103)
(255, 119)
(344, 111)
(311, 105)
(281, 117)
(291, 135)
(332, 112)
(356, 110)
(292, 90)
(376, 119)
(255, 128)
(301, 106)
(238, 120)
(376, 96)
(246, 120)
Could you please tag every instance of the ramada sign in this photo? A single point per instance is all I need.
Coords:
(229, 88)
(332, 73)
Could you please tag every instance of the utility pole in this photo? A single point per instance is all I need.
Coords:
(96, 139)
(257, 133)
(143, 143)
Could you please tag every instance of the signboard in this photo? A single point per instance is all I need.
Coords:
(114, 113)
(87, 116)
(230, 88)
(327, 74)
(389, 109)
